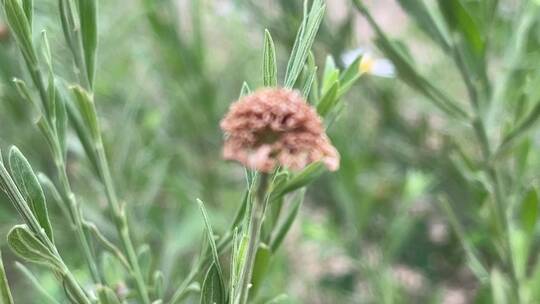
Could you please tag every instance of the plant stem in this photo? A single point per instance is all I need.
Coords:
(77, 222)
(120, 221)
(37, 79)
(498, 205)
(24, 210)
(258, 210)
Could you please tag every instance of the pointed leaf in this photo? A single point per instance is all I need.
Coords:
(282, 230)
(329, 100)
(304, 40)
(28, 7)
(89, 32)
(29, 186)
(210, 235)
(213, 289)
(269, 61)
(20, 25)
(262, 262)
(27, 246)
(301, 179)
(5, 292)
(460, 20)
(87, 110)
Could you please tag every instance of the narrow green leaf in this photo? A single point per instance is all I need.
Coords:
(269, 61)
(5, 292)
(282, 230)
(310, 80)
(245, 89)
(83, 133)
(260, 268)
(89, 32)
(460, 20)
(349, 76)
(238, 260)
(210, 235)
(144, 255)
(106, 295)
(28, 7)
(67, 18)
(521, 128)
(27, 246)
(46, 49)
(20, 25)
(22, 88)
(61, 123)
(529, 211)
(304, 41)
(51, 89)
(301, 179)
(520, 246)
(29, 186)
(329, 100)
(158, 281)
(87, 109)
(10, 188)
(330, 74)
(213, 290)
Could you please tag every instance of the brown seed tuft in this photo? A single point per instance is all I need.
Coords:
(276, 127)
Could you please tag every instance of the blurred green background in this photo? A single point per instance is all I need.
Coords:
(167, 71)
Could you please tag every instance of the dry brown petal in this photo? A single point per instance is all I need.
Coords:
(276, 127)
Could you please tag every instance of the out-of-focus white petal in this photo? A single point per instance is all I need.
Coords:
(224, 8)
(383, 68)
(349, 56)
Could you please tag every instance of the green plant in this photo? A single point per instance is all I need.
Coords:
(255, 234)
(500, 115)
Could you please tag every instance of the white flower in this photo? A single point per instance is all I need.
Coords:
(380, 67)
(350, 56)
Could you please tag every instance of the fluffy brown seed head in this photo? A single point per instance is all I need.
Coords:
(274, 127)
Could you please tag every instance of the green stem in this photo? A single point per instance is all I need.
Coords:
(77, 222)
(37, 79)
(120, 221)
(22, 207)
(75, 288)
(256, 219)
(498, 205)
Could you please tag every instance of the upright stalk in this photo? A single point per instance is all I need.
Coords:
(120, 221)
(77, 222)
(497, 203)
(24, 210)
(60, 162)
(94, 144)
(258, 210)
